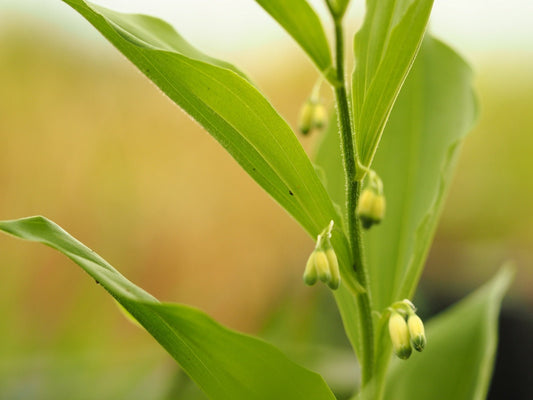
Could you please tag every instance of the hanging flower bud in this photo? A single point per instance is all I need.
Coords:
(416, 332)
(322, 266)
(399, 334)
(335, 279)
(305, 120)
(310, 274)
(370, 208)
(320, 116)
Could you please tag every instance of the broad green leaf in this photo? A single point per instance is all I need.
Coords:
(385, 49)
(229, 108)
(299, 19)
(225, 364)
(458, 360)
(434, 111)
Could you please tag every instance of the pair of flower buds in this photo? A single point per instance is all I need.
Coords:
(322, 263)
(406, 330)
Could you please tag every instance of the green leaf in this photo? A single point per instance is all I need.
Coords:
(299, 19)
(434, 111)
(385, 49)
(228, 107)
(225, 364)
(458, 359)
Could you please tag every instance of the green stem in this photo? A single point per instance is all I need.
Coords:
(366, 353)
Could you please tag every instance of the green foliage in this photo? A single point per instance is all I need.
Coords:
(457, 363)
(225, 364)
(385, 49)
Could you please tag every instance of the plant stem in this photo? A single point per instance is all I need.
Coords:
(366, 352)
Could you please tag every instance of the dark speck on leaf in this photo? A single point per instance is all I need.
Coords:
(291, 193)
(97, 282)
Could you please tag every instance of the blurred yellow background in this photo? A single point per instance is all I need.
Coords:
(88, 142)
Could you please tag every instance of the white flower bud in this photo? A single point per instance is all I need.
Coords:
(322, 266)
(310, 274)
(370, 208)
(416, 332)
(320, 116)
(305, 120)
(335, 280)
(399, 334)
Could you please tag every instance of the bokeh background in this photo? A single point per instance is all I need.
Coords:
(90, 143)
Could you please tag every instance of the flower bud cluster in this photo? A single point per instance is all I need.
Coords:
(323, 264)
(406, 331)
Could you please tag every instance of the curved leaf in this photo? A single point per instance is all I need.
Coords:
(225, 364)
(434, 111)
(457, 362)
(228, 107)
(299, 19)
(385, 49)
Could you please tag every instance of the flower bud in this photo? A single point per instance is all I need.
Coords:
(370, 208)
(320, 116)
(322, 266)
(310, 274)
(335, 279)
(399, 334)
(416, 332)
(305, 120)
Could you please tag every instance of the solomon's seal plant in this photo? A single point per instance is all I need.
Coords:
(401, 116)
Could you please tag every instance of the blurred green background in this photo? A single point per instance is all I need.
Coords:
(88, 142)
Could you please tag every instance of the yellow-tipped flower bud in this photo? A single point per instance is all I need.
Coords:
(370, 208)
(399, 334)
(305, 120)
(322, 266)
(310, 274)
(416, 332)
(320, 116)
(335, 280)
